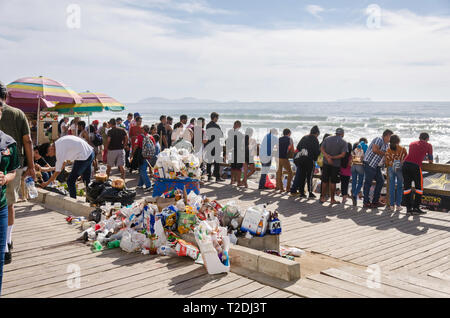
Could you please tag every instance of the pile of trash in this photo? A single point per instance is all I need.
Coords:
(180, 225)
(176, 163)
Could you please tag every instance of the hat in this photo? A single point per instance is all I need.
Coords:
(95, 122)
(339, 131)
(137, 115)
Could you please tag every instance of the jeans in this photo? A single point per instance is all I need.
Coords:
(357, 179)
(371, 174)
(143, 175)
(80, 168)
(395, 187)
(265, 168)
(3, 231)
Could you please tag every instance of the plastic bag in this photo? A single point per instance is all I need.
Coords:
(166, 251)
(95, 215)
(184, 248)
(256, 220)
(186, 222)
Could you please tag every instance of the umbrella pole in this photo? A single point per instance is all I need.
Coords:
(38, 122)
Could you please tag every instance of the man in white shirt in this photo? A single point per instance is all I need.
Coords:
(81, 153)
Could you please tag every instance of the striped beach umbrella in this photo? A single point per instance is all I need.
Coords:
(91, 102)
(42, 88)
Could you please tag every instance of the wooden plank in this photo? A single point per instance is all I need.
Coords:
(241, 291)
(433, 284)
(363, 291)
(260, 293)
(440, 276)
(279, 294)
(327, 290)
(395, 283)
(436, 168)
(385, 289)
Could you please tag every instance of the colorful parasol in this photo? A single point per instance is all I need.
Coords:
(91, 102)
(42, 87)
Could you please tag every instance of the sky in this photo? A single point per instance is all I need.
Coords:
(247, 50)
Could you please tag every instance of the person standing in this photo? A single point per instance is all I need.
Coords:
(412, 172)
(308, 152)
(14, 123)
(395, 156)
(144, 140)
(169, 130)
(64, 127)
(162, 132)
(135, 131)
(183, 120)
(72, 148)
(104, 133)
(286, 146)
(250, 148)
(236, 151)
(212, 131)
(269, 146)
(346, 172)
(373, 159)
(128, 122)
(359, 150)
(333, 149)
(9, 163)
(117, 143)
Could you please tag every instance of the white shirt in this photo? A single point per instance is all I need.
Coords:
(71, 148)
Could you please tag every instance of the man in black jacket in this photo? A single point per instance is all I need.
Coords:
(212, 131)
(308, 151)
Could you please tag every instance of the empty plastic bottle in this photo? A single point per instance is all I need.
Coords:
(32, 191)
(97, 247)
(114, 244)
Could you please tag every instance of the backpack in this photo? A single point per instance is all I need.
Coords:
(98, 140)
(148, 148)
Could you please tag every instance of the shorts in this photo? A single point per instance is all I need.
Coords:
(116, 158)
(330, 174)
(13, 188)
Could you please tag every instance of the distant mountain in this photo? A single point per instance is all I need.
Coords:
(185, 100)
(355, 99)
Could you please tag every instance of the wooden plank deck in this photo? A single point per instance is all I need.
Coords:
(413, 253)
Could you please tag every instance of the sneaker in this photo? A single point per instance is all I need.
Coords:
(8, 258)
(219, 179)
(398, 209)
(148, 189)
(312, 196)
(209, 179)
(355, 202)
(140, 187)
(419, 211)
(303, 196)
(294, 194)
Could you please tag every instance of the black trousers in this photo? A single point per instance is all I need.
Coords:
(216, 169)
(306, 173)
(345, 181)
(412, 173)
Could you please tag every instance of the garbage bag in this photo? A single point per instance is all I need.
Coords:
(95, 215)
(109, 194)
(94, 189)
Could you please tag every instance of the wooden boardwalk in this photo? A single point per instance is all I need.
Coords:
(412, 252)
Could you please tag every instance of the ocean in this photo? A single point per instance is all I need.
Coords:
(359, 119)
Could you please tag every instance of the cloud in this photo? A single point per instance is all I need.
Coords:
(189, 6)
(314, 10)
(132, 53)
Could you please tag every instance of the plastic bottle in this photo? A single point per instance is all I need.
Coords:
(32, 191)
(114, 244)
(97, 247)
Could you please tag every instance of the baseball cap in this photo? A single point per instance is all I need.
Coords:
(95, 122)
(137, 115)
(339, 131)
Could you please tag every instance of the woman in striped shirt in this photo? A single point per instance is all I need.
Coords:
(395, 156)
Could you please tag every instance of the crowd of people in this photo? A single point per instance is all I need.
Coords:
(131, 145)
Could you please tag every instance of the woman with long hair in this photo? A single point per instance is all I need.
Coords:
(395, 156)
